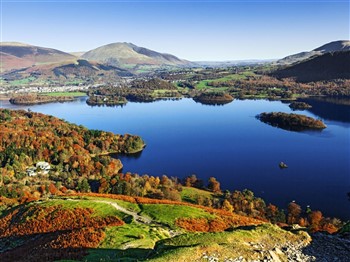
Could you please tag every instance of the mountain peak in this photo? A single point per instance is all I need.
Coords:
(341, 45)
(335, 46)
(124, 53)
(19, 55)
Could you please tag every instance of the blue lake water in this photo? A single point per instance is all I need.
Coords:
(184, 137)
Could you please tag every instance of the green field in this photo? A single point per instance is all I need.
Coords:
(239, 76)
(23, 81)
(100, 209)
(167, 214)
(191, 194)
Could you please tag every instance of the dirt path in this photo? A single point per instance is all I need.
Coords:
(136, 216)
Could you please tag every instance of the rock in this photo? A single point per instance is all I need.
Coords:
(274, 256)
(282, 165)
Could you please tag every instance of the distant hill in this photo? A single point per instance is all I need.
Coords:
(18, 55)
(129, 55)
(329, 66)
(78, 54)
(67, 72)
(343, 45)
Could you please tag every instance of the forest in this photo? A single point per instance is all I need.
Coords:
(32, 99)
(138, 90)
(74, 152)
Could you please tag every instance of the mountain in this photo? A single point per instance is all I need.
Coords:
(343, 45)
(329, 66)
(67, 72)
(129, 55)
(18, 55)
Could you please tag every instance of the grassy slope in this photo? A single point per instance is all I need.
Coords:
(193, 246)
(136, 241)
(100, 209)
(191, 194)
(167, 214)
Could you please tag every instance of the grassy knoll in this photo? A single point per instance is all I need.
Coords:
(65, 94)
(127, 205)
(131, 241)
(100, 209)
(191, 194)
(135, 235)
(203, 84)
(167, 214)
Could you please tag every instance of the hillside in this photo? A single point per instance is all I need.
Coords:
(99, 228)
(329, 47)
(73, 153)
(73, 72)
(329, 66)
(129, 55)
(17, 55)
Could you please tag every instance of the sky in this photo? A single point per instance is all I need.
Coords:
(194, 30)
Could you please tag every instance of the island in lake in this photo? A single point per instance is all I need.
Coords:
(32, 99)
(299, 106)
(293, 122)
(213, 98)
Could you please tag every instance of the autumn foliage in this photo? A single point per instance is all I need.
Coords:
(38, 219)
(224, 219)
(218, 224)
(75, 153)
(55, 230)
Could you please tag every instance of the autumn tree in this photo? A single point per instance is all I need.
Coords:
(294, 211)
(227, 206)
(214, 185)
(315, 218)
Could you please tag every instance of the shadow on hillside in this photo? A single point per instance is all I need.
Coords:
(231, 229)
(130, 254)
(330, 109)
(36, 248)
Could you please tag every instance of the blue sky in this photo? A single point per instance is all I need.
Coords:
(194, 30)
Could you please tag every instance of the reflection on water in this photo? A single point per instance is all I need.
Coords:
(122, 156)
(335, 109)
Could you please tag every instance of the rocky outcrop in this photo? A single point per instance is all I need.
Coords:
(326, 248)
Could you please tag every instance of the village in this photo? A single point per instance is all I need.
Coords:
(41, 89)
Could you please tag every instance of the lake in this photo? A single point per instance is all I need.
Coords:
(184, 137)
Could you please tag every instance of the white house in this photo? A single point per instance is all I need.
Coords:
(44, 166)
